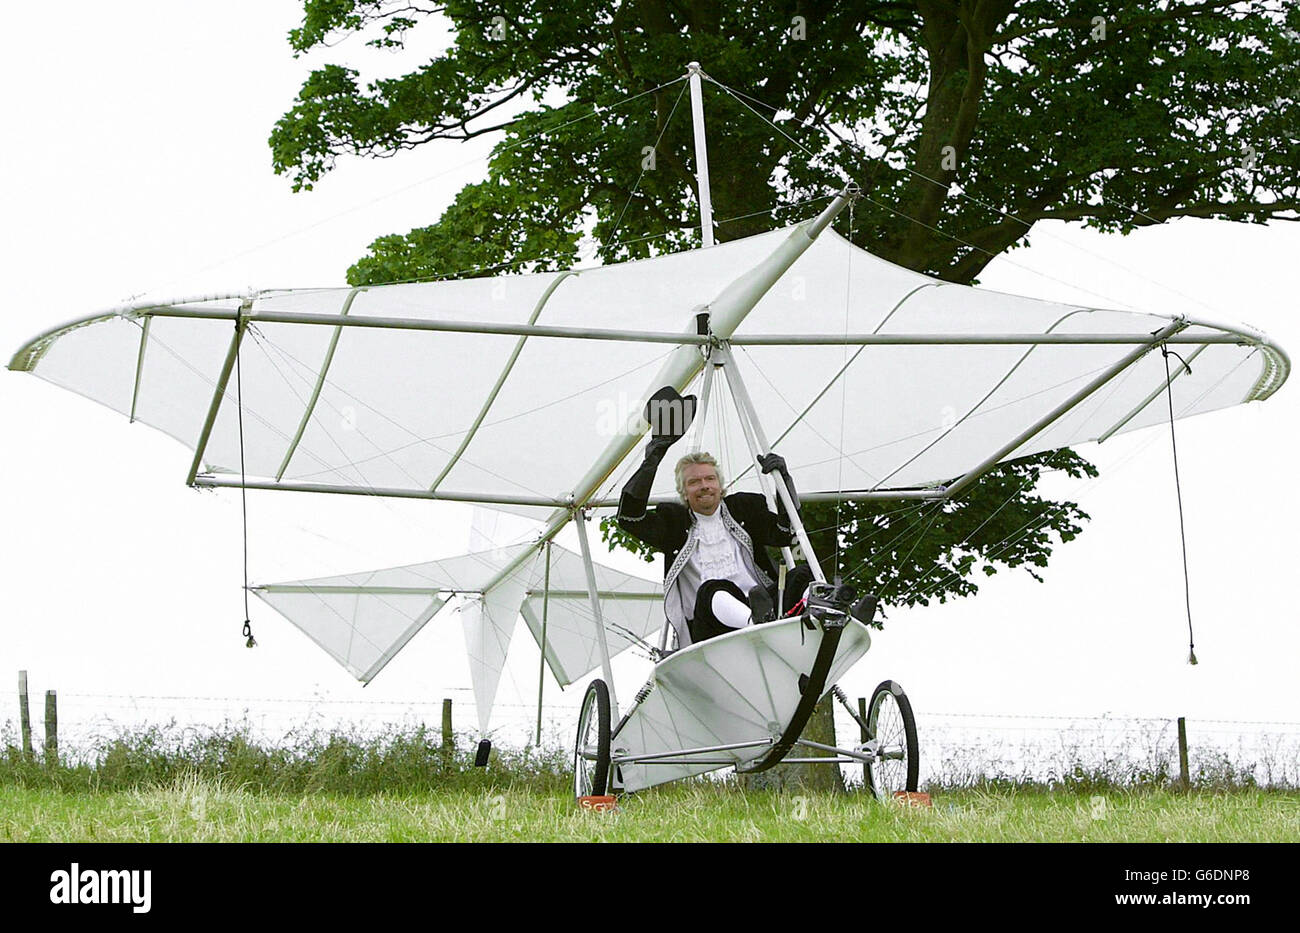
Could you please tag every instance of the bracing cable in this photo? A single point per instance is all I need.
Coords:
(1182, 527)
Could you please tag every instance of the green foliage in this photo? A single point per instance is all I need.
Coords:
(1127, 113)
(469, 240)
(910, 553)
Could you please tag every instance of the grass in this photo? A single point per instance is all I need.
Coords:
(168, 784)
(196, 809)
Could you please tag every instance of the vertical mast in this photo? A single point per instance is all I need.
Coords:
(701, 155)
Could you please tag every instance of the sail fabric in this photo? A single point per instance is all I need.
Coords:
(521, 419)
(363, 619)
(488, 621)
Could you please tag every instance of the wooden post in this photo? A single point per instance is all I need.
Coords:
(1184, 778)
(24, 716)
(448, 738)
(51, 729)
(862, 715)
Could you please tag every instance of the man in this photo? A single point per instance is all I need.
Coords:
(717, 574)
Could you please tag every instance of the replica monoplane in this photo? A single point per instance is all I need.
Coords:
(509, 392)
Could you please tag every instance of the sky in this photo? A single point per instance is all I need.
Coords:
(135, 162)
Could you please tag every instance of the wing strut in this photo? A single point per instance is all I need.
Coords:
(219, 394)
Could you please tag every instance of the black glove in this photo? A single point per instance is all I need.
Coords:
(771, 463)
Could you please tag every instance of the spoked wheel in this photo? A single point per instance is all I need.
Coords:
(890, 722)
(591, 751)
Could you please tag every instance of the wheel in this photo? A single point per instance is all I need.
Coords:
(591, 750)
(891, 723)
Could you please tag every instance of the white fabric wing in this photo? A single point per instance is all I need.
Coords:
(503, 417)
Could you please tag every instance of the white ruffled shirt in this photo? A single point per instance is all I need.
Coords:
(717, 557)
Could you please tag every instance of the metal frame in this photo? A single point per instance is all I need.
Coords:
(139, 369)
(316, 390)
(219, 393)
(685, 338)
(580, 521)
(701, 155)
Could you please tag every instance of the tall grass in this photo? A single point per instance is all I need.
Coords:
(409, 760)
(401, 760)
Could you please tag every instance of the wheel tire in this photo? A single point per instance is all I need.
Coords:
(591, 749)
(898, 764)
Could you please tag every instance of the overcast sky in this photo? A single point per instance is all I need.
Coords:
(135, 162)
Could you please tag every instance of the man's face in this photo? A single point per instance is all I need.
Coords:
(703, 493)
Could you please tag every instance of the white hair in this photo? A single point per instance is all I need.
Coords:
(698, 456)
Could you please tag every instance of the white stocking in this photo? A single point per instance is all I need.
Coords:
(730, 611)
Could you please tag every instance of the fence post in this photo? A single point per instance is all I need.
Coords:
(448, 738)
(1184, 778)
(24, 716)
(51, 729)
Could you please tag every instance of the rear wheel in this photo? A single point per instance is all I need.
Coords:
(890, 723)
(591, 750)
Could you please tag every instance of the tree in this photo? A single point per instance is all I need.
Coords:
(965, 122)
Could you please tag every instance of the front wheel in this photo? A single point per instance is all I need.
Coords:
(890, 723)
(591, 750)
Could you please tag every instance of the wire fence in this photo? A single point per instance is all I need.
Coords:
(956, 749)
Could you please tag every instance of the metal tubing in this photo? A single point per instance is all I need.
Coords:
(686, 761)
(541, 662)
(581, 522)
(219, 394)
(356, 590)
(380, 491)
(1155, 394)
(855, 756)
(701, 419)
(139, 368)
(702, 750)
(701, 155)
(316, 390)
(1128, 360)
(422, 324)
(388, 492)
(637, 336)
(751, 441)
(582, 594)
(975, 340)
(741, 395)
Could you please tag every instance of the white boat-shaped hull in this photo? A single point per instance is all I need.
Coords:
(742, 687)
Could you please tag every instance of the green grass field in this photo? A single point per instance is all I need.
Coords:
(197, 809)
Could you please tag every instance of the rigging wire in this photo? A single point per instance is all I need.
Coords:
(596, 110)
(960, 191)
(632, 194)
(243, 487)
(1178, 487)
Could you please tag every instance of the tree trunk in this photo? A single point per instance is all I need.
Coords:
(822, 778)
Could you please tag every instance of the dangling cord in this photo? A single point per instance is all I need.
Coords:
(243, 487)
(1182, 529)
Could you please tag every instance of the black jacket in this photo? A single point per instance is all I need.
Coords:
(666, 527)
